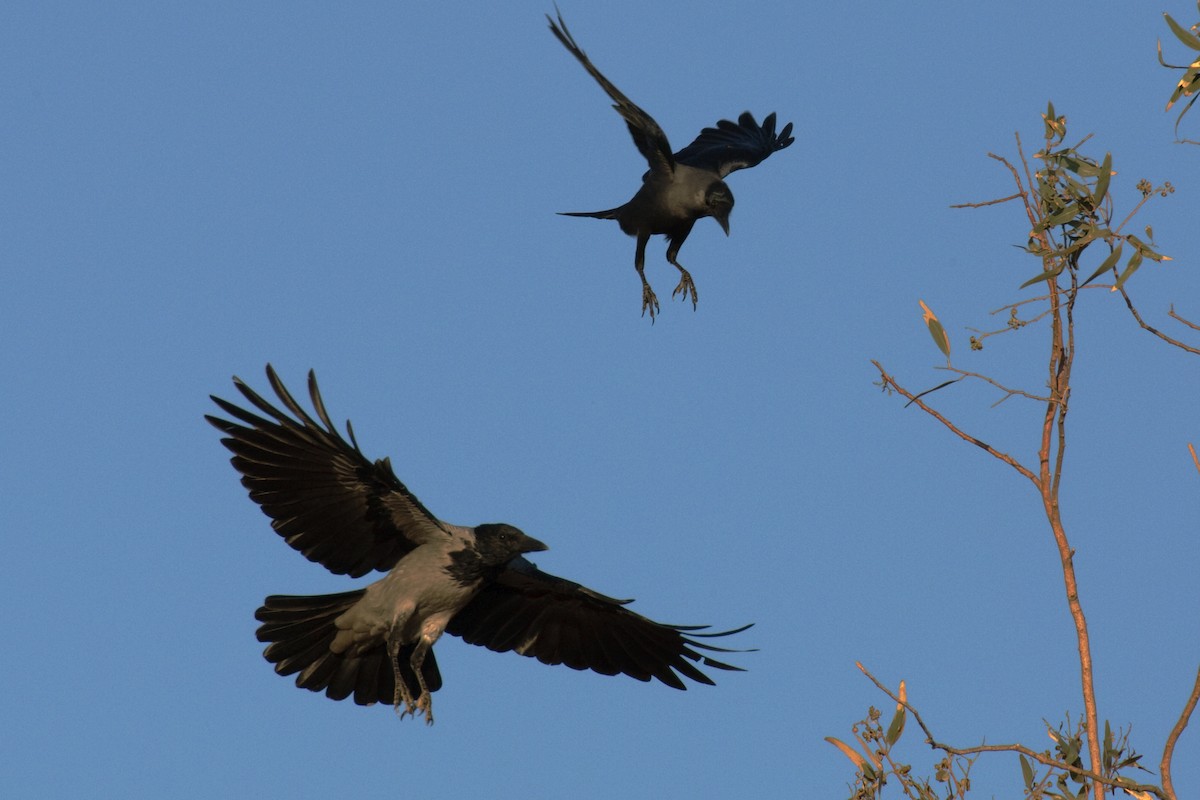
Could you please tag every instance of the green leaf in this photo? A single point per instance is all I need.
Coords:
(939, 336)
(1131, 267)
(1108, 264)
(936, 330)
(1187, 86)
(1145, 249)
(897, 727)
(1082, 167)
(1048, 274)
(1068, 212)
(1102, 182)
(1183, 34)
(1027, 772)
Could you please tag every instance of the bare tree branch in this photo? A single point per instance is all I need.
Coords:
(1155, 331)
(1187, 322)
(987, 202)
(1061, 358)
(1007, 391)
(1164, 768)
(890, 382)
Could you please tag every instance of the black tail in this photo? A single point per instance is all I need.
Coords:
(300, 631)
(609, 214)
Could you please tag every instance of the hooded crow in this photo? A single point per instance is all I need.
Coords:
(353, 516)
(679, 188)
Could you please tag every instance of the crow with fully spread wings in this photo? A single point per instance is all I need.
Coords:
(353, 516)
(679, 188)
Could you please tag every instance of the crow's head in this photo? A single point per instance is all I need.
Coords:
(498, 543)
(718, 201)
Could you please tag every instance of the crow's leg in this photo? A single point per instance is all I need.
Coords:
(401, 693)
(424, 702)
(649, 300)
(686, 284)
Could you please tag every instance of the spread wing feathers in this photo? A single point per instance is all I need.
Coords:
(650, 140)
(300, 630)
(732, 146)
(557, 621)
(322, 494)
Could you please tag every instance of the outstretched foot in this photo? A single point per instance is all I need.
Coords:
(686, 286)
(425, 704)
(422, 707)
(650, 301)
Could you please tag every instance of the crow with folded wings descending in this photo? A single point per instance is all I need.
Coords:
(353, 516)
(679, 188)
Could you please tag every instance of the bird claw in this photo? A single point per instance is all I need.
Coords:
(425, 704)
(422, 706)
(686, 286)
(649, 301)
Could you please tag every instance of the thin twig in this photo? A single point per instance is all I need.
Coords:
(1029, 207)
(1007, 391)
(987, 202)
(1153, 330)
(1168, 750)
(888, 380)
(1187, 322)
(1145, 199)
(1029, 300)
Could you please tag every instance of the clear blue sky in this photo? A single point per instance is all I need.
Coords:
(190, 191)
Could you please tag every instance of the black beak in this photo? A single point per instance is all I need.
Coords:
(532, 545)
(723, 221)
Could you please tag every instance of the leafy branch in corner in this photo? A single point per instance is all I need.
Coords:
(1070, 208)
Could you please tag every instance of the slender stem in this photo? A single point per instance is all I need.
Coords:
(1169, 749)
(1054, 421)
(988, 202)
(1189, 323)
(1155, 331)
(1007, 391)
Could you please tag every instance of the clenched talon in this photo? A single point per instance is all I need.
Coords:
(686, 286)
(425, 705)
(649, 301)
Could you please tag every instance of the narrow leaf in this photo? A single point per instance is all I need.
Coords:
(1108, 264)
(1102, 181)
(1026, 772)
(850, 753)
(1186, 87)
(936, 330)
(897, 727)
(1050, 273)
(1182, 33)
(1069, 211)
(1131, 267)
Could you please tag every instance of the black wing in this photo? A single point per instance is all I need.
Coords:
(322, 494)
(557, 621)
(732, 146)
(650, 140)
